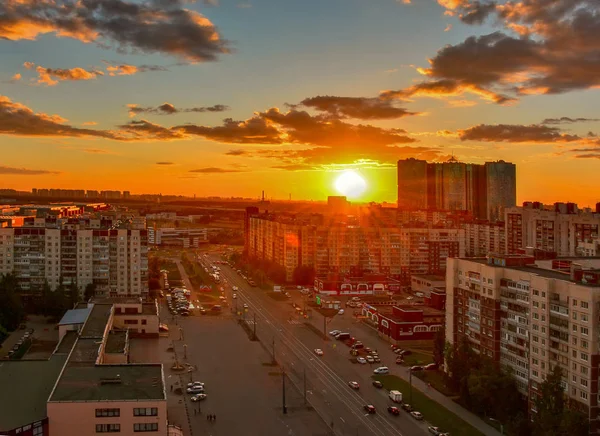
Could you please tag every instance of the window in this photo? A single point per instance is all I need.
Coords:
(131, 321)
(584, 382)
(583, 395)
(574, 315)
(584, 305)
(108, 428)
(147, 411)
(584, 356)
(574, 303)
(104, 413)
(584, 317)
(584, 331)
(143, 322)
(151, 426)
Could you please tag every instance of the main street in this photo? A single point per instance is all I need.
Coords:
(328, 376)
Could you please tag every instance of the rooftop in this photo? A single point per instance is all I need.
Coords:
(67, 342)
(116, 341)
(97, 320)
(85, 351)
(118, 300)
(430, 277)
(110, 383)
(32, 381)
(75, 316)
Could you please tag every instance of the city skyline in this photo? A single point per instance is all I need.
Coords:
(101, 108)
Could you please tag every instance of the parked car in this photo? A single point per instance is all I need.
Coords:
(406, 353)
(431, 367)
(370, 359)
(381, 370)
(377, 384)
(417, 415)
(245, 306)
(407, 407)
(341, 312)
(335, 332)
(361, 360)
(368, 350)
(195, 390)
(354, 385)
(416, 368)
(318, 352)
(195, 384)
(199, 397)
(376, 359)
(393, 410)
(234, 296)
(357, 346)
(399, 360)
(435, 430)
(370, 409)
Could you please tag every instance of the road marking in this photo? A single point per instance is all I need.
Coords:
(342, 420)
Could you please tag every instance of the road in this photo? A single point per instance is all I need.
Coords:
(328, 376)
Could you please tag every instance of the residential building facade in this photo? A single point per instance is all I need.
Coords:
(531, 315)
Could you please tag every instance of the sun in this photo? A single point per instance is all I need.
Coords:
(351, 184)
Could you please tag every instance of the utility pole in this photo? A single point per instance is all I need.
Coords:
(304, 386)
(410, 382)
(255, 326)
(283, 382)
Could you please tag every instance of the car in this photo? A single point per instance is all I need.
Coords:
(235, 288)
(195, 390)
(216, 308)
(287, 295)
(341, 312)
(369, 408)
(245, 306)
(368, 350)
(199, 397)
(417, 415)
(355, 299)
(203, 312)
(184, 313)
(252, 283)
(431, 367)
(354, 385)
(318, 352)
(234, 296)
(398, 350)
(407, 407)
(335, 332)
(376, 358)
(434, 430)
(195, 384)
(381, 370)
(399, 360)
(416, 368)
(393, 347)
(393, 410)
(370, 359)
(357, 345)
(377, 384)
(361, 360)
(406, 352)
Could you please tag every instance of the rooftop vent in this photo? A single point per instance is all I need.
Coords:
(111, 380)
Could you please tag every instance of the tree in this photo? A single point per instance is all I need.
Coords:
(439, 346)
(90, 291)
(550, 404)
(304, 275)
(73, 296)
(11, 309)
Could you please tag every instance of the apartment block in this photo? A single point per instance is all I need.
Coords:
(531, 315)
(483, 237)
(561, 228)
(182, 237)
(351, 249)
(482, 190)
(115, 260)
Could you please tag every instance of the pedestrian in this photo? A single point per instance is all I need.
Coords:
(171, 388)
(208, 417)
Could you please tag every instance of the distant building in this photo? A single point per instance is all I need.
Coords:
(405, 322)
(368, 284)
(182, 237)
(412, 184)
(338, 204)
(483, 237)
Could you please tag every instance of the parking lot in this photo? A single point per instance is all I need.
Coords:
(242, 388)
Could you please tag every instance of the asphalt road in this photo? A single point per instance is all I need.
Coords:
(328, 376)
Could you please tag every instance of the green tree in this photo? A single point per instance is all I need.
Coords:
(439, 346)
(90, 291)
(304, 275)
(550, 405)
(73, 296)
(11, 309)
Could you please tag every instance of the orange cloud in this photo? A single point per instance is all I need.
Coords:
(16, 77)
(122, 70)
(51, 76)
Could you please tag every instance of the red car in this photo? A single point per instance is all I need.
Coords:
(370, 409)
(393, 410)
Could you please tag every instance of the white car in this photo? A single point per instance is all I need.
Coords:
(234, 296)
(354, 385)
(199, 397)
(341, 312)
(195, 384)
(417, 415)
(245, 306)
(370, 359)
(381, 370)
(195, 390)
(235, 288)
(335, 332)
(361, 360)
(318, 352)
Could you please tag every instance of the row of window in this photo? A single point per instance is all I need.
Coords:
(142, 411)
(116, 428)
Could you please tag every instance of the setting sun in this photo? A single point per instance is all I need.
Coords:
(351, 184)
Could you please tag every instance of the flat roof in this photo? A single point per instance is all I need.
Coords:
(97, 320)
(85, 351)
(116, 341)
(67, 342)
(31, 382)
(110, 383)
(75, 316)
(117, 300)
(431, 277)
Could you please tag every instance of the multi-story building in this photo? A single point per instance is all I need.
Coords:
(561, 228)
(483, 190)
(88, 386)
(183, 237)
(483, 237)
(114, 260)
(351, 249)
(531, 315)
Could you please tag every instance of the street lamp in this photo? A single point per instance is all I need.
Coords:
(501, 425)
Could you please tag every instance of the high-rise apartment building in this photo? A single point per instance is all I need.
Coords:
(482, 238)
(412, 184)
(352, 249)
(561, 228)
(483, 190)
(114, 260)
(531, 315)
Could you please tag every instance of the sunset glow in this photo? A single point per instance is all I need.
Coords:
(350, 184)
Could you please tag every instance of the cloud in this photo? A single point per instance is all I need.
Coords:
(11, 171)
(122, 70)
(156, 26)
(294, 167)
(356, 107)
(89, 123)
(448, 28)
(28, 65)
(545, 47)
(516, 133)
(165, 163)
(169, 109)
(16, 77)
(95, 151)
(461, 103)
(214, 170)
(237, 152)
(19, 120)
(145, 130)
(567, 120)
(51, 76)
